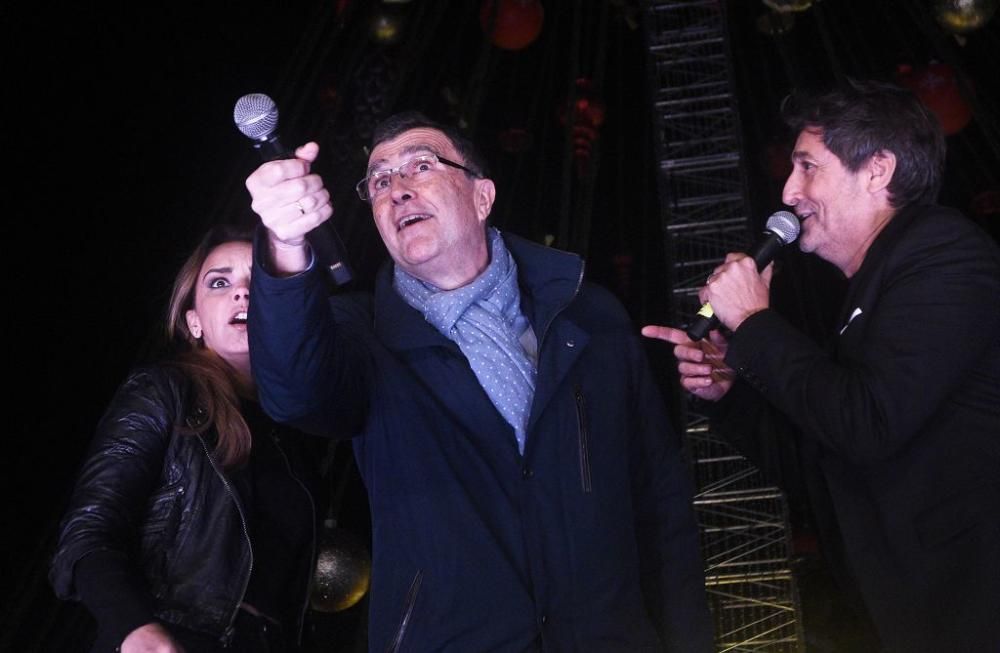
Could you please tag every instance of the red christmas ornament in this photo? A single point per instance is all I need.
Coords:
(512, 24)
(588, 116)
(937, 87)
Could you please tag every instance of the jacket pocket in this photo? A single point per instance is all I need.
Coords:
(583, 436)
(404, 622)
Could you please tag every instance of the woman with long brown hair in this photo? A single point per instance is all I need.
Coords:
(192, 525)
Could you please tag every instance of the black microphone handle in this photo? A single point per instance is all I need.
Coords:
(272, 149)
(765, 250)
(324, 239)
(762, 253)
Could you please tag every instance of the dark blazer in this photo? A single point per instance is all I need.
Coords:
(587, 542)
(901, 425)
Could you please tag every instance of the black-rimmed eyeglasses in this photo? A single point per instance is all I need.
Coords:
(378, 182)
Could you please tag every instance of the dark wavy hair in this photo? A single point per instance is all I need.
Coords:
(404, 121)
(860, 118)
(216, 387)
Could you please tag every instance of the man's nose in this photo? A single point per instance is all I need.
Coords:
(399, 188)
(791, 194)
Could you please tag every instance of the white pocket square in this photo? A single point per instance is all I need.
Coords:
(856, 313)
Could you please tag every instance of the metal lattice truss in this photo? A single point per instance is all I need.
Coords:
(702, 180)
(743, 522)
(747, 576)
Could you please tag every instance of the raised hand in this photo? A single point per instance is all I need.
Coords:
(291, 201)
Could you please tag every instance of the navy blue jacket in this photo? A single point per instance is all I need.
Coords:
(587, 542)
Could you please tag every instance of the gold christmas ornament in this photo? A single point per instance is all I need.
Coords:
(342, 573)
(964, 16)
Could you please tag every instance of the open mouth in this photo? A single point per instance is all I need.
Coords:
(411, 220)
(239, 318)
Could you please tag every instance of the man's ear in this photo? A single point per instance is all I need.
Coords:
(486, 192)
(881, 167)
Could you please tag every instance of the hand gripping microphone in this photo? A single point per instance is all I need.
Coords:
(256, 116)
(781, 229)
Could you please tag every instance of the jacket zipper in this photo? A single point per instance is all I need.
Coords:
(545, 328)
(312, 524)
(584, 439)
(411, 599)
(230, 631)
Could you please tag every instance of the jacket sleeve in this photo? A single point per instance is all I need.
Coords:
(936, 314)
(671, 565)
(114, 592)
(122, 468)
(310, 365)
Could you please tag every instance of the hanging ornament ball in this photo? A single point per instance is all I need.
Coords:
(512, 24)
(937, 87)
(387, 27)
(342, 573)
(784, 6)
(588, 114)
(964, 16)
(589, 109)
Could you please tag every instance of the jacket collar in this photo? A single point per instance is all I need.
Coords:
(891, 233)
(858, 296)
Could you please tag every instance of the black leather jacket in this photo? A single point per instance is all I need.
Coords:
(155, 493)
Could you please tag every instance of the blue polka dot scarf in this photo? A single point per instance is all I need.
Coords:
(484, 319)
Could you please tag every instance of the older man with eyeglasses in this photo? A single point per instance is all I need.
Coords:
(526, 489)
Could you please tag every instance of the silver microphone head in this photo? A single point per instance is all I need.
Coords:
(785, 225)
(256, 116)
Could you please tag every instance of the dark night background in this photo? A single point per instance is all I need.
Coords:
(120, 151)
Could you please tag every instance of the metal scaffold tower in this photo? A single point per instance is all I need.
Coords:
(743, 521)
